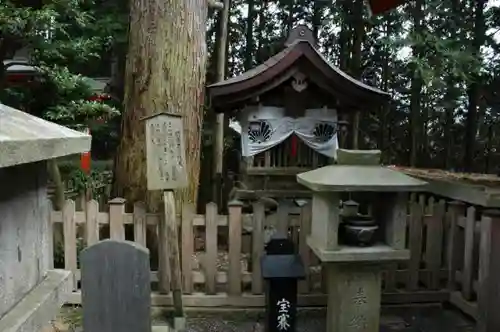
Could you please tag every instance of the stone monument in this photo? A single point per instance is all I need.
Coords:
(116, 287)
(31, 292)
(354, 272)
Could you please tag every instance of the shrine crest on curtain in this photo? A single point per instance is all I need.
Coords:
(263, 127)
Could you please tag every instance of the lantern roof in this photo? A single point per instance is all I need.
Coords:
(25, 138)
(19, 66)
(345, 178)
(300, 54)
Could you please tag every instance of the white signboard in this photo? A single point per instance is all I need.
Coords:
(165, 152)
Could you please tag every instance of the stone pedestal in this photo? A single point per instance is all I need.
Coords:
(31, 293)
(354, 272)
(353, 297)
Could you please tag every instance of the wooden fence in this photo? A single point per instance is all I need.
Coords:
(220, 254)
(99, 188)
(470, 251)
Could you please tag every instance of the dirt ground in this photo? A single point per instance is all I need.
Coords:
(400, 319)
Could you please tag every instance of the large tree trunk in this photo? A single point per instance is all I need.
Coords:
(249, 45)
(355, 64)
(317, 17)
(261, 40)
(471, 124)
(416, 87)
(218, 152)
(165, 71)
(452, 94)
(384, 129)
(344, 37)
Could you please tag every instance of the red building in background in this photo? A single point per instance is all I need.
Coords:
(19, 72)
(377, 7)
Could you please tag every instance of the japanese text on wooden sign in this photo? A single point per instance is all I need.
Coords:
(165, 152)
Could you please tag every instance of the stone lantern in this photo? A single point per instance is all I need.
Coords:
(354, 270)
(31, 291)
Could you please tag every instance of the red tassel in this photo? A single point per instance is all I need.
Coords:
(294, 146)
(85, 162)
(85, 158)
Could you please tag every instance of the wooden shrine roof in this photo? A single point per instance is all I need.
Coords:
(283, 65)
(471, 188)
(491, 180)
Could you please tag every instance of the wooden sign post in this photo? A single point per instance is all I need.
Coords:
(166, 170)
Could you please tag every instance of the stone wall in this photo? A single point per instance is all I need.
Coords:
(25, 231)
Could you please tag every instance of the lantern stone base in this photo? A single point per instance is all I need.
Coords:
(354, 292)
(354, 284)
(343, 254)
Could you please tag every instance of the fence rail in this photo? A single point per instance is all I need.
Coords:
(220, 254)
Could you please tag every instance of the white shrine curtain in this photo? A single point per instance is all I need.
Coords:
(263, 127)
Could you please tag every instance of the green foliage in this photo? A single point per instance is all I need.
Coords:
(71, 36)
(446, 62)
(59, 252)
(63, 36)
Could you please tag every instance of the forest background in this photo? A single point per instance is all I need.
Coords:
(440, 60)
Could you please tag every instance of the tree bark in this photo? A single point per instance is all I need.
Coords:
(384, 130)
(261, 40)
(290, 19)
(473, 89)
(219, 122)
(452, 93)
(356, 71)
(249, 44)
(416, 87)
(344, 37)
(165, 71)
(317, 17)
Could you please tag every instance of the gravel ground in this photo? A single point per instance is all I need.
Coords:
(393, 320)
(407, 319)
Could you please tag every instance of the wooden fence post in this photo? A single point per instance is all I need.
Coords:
(304, 250)
(282, 218)
(187, 239)
(235, 229)
(140, 224)
(210, 261)
(259, 215)
(488, 319)
(163, 257)
(467, 271)
(415, 243)
(116, 213)
(92, 223)
(434, 242)
(69, 230)
(456, 209)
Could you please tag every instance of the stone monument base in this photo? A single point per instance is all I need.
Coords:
(40, 305)
(354, 292)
